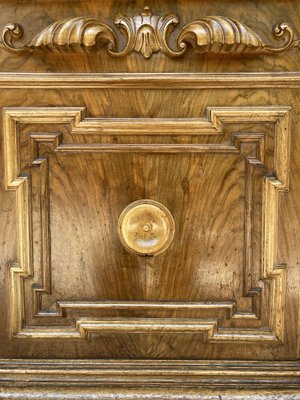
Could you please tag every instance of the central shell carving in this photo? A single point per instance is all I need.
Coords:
(146, 34)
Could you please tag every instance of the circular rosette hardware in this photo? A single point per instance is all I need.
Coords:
(146, 228)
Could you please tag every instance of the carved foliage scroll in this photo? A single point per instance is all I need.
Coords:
(146, 34)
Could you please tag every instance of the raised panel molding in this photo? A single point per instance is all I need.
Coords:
(146, 34)
(216, 119)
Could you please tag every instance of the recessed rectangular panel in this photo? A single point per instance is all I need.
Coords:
(217, 275)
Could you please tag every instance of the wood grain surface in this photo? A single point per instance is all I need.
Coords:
(213, 136)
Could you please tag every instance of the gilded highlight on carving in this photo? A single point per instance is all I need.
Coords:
(147, 34)
(211, 329)
(74, 34)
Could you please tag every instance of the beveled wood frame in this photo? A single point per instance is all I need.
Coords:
(123, 379)
(212, 125)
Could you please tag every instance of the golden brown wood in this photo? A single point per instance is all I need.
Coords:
(146, 228)
(217, 117)
(211, 136)
(147, 34)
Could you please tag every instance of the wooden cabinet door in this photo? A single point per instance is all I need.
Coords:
(149, 198)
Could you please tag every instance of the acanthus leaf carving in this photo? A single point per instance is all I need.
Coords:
(219, 35)
(75, 32)
(225, 35)
(147, 34)
(10, 33)
(72, 34)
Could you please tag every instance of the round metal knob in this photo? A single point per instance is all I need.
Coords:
(146, 227)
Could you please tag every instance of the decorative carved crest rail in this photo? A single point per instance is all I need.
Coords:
(147, 34)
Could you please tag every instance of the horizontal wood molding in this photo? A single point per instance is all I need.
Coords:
(205, 327)
(150, 374)
(245, 80)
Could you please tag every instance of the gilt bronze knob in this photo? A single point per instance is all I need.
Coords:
(146, 227)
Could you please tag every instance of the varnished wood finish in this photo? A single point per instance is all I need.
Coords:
(146, 228)
(147, 34)
(216, 119)
(212, 135)
(176, 375)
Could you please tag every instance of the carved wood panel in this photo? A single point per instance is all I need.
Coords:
(147, 34)
(126, 125)
(210, 324)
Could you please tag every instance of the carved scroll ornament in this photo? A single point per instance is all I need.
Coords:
(146, 33)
